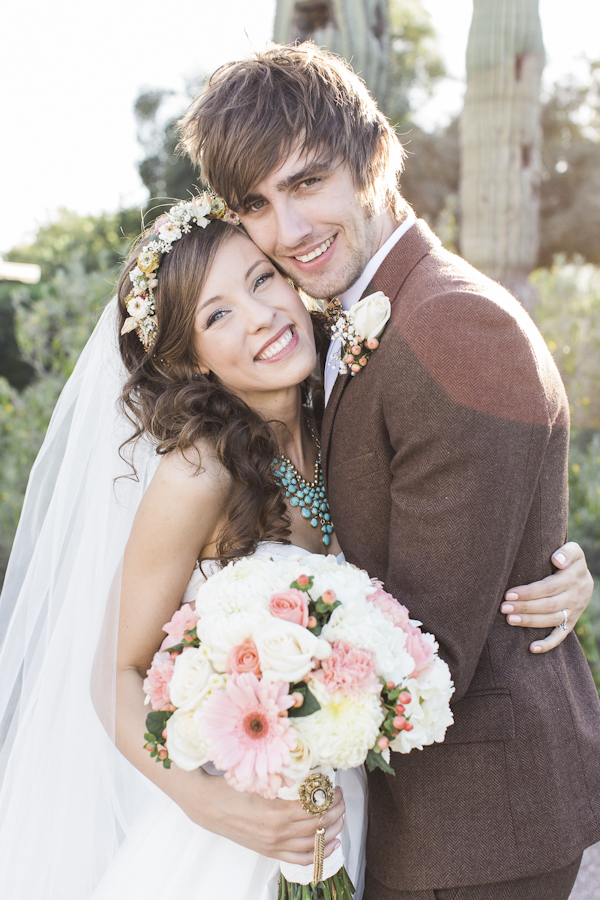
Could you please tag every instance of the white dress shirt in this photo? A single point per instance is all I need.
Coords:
(354, 293)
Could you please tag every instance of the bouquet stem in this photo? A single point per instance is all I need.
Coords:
(338, 887)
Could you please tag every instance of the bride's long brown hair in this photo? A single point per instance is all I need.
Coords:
(167, 398)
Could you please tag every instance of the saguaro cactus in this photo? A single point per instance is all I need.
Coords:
(501, 142)
(358, 30)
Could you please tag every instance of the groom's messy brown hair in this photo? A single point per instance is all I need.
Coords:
(252, 114)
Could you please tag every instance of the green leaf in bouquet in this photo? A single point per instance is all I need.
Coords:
(155, 723)
(376, 761)
(310, 705)
(325, 609)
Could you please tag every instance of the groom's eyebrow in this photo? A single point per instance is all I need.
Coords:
(309, 171)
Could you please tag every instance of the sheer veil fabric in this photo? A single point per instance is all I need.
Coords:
(77, 821)
(67, 795)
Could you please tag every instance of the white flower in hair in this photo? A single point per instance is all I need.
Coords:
(169, 232)
(138, 307)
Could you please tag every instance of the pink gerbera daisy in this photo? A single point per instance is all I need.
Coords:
(252, 739)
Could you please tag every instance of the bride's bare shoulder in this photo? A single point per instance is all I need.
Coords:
(196, 470)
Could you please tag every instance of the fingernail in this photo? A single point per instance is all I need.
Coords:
(511, 596)
(536, 648)
(560, 558)
(507, 607)
(337, 844)
(514, 620)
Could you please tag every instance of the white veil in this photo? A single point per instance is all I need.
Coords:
(67, 796)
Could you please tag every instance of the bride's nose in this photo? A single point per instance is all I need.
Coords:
(259, 315)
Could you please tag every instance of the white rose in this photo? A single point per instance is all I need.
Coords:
(286, 651)
(186, 744)
(191, 678)
(302, 760)
(370, 315)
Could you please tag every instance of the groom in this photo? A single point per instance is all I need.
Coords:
(454, 436)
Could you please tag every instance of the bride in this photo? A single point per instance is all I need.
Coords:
(213, 372)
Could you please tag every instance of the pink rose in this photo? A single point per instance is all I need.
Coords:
(184, 619)
(390, 607)
(243, 658)
(157, 681)
(349, 670)
(290, 605)
(420, 650)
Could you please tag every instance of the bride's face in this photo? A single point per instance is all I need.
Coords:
(252, 329)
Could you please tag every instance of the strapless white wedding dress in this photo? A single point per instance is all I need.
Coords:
(167, 856)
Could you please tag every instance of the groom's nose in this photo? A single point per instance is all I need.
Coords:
(293, 229)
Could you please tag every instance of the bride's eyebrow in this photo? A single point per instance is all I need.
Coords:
(219, 297)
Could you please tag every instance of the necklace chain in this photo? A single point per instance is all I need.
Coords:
(309, 496)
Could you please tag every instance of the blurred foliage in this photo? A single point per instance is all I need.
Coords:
(568, 315)
(52, 321)
(98, 242)
(570, 196)
(416, 66)
(584, 527)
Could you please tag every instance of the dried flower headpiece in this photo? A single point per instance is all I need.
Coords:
(167, 229)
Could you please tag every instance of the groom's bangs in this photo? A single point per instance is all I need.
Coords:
(253, 114)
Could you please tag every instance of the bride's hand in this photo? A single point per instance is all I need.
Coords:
(543, 604)
(276, 828)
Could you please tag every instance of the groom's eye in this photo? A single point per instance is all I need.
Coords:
(256, 205)
(308, 182)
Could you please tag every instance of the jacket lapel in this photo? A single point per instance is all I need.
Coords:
(389, 278)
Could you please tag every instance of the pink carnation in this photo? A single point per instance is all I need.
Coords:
(184, 619)
(243, 658)
(157, 681)
(290, 605)
(252, 739)
(420, 650)
(349, 670)
(390, 607)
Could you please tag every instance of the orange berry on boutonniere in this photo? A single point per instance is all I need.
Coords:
(373, 344)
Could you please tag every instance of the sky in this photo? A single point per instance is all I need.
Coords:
(71, 72)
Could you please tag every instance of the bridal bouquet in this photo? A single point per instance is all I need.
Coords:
(289, 668)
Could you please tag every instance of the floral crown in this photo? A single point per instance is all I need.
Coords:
(167, 229)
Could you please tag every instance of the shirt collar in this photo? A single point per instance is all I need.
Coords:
(355, 291)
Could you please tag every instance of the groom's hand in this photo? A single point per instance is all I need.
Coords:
(543, 603)
(280, 829)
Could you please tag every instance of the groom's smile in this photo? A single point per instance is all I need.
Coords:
(308, 217)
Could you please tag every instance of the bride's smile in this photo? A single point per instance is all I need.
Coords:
(252, 329)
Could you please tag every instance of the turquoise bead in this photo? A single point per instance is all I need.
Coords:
(294, 501)
(326, 540)
(314, 522)
(326, 516)
(305, 512)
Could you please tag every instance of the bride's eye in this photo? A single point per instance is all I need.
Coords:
(262, 279)
(215, 316)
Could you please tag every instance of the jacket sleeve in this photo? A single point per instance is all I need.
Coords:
(473, 417)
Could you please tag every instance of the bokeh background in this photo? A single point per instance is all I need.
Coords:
(497, 102)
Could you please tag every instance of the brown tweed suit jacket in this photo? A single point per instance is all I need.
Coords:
(446, 470)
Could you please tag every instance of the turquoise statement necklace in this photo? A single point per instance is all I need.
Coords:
(308, 495)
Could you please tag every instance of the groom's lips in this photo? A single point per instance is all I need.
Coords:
(313, 264)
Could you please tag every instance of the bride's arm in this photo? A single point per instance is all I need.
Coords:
(179, 516)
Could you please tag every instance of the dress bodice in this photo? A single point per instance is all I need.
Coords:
(265, 548)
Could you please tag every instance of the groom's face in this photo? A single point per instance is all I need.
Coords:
(309, 219)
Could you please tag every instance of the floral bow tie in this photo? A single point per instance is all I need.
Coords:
(358, 329)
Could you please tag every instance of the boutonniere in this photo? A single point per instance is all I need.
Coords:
(358, 329)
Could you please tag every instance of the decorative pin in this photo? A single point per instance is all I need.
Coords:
(316, 795)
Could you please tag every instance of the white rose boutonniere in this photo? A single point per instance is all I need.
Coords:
(358, 329)
(370, 316)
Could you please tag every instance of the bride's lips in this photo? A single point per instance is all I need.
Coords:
(314, 264)
(286, 350)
